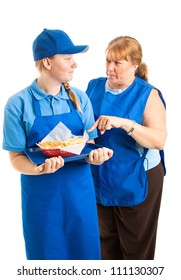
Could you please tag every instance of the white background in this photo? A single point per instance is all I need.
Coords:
(156, 24)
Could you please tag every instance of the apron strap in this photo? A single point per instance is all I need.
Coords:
(36, 106)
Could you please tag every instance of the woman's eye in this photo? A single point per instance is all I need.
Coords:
(118, 62)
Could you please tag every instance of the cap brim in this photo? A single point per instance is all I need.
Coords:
(76, 49)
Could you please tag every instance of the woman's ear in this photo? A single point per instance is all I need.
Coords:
(47, 63)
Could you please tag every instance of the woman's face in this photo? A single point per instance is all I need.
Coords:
(62, 67)
(120, 74)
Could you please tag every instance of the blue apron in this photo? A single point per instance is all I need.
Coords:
(121, 181)
(59, 209)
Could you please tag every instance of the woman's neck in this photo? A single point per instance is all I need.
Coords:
(121, 86)
(48, 86)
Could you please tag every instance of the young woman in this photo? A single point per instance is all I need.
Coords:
(58, 200)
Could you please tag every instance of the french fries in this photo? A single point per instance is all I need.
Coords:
(57, 144)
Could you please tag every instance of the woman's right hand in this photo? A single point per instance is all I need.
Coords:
(23, 164)
(50, 165)
(104, 123)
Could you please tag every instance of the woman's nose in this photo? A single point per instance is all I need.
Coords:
(110, 66)
(74, 65)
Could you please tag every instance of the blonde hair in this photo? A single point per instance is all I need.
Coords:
(129, 49)
(39, 65)
(72, 96)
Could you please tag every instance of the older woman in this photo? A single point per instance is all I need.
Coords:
(131, 118)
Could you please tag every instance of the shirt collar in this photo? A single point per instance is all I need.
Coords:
(113, 91)
(39, 94)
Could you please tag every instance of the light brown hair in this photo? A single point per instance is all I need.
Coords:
(129, 49)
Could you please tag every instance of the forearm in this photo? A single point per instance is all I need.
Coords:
(22, 164)
(151, 135)
(152, 138)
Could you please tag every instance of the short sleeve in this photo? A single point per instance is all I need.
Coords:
(14, 133)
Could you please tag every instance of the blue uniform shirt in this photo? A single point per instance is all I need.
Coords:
(19, 113)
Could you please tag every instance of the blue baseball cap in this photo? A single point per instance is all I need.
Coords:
(52, 41)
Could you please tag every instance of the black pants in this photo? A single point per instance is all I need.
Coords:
(129, 233)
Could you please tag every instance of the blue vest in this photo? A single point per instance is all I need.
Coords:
(122, 180)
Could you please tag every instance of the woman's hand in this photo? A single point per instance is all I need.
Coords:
(50, 165)
(104, 123)
(99, 156)
(22, 164)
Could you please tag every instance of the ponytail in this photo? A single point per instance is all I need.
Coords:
(72, 96)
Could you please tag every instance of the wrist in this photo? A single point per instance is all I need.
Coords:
(132, 128)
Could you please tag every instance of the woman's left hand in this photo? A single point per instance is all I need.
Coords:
(100, 155)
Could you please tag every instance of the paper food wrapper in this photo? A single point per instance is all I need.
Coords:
(61, 133)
